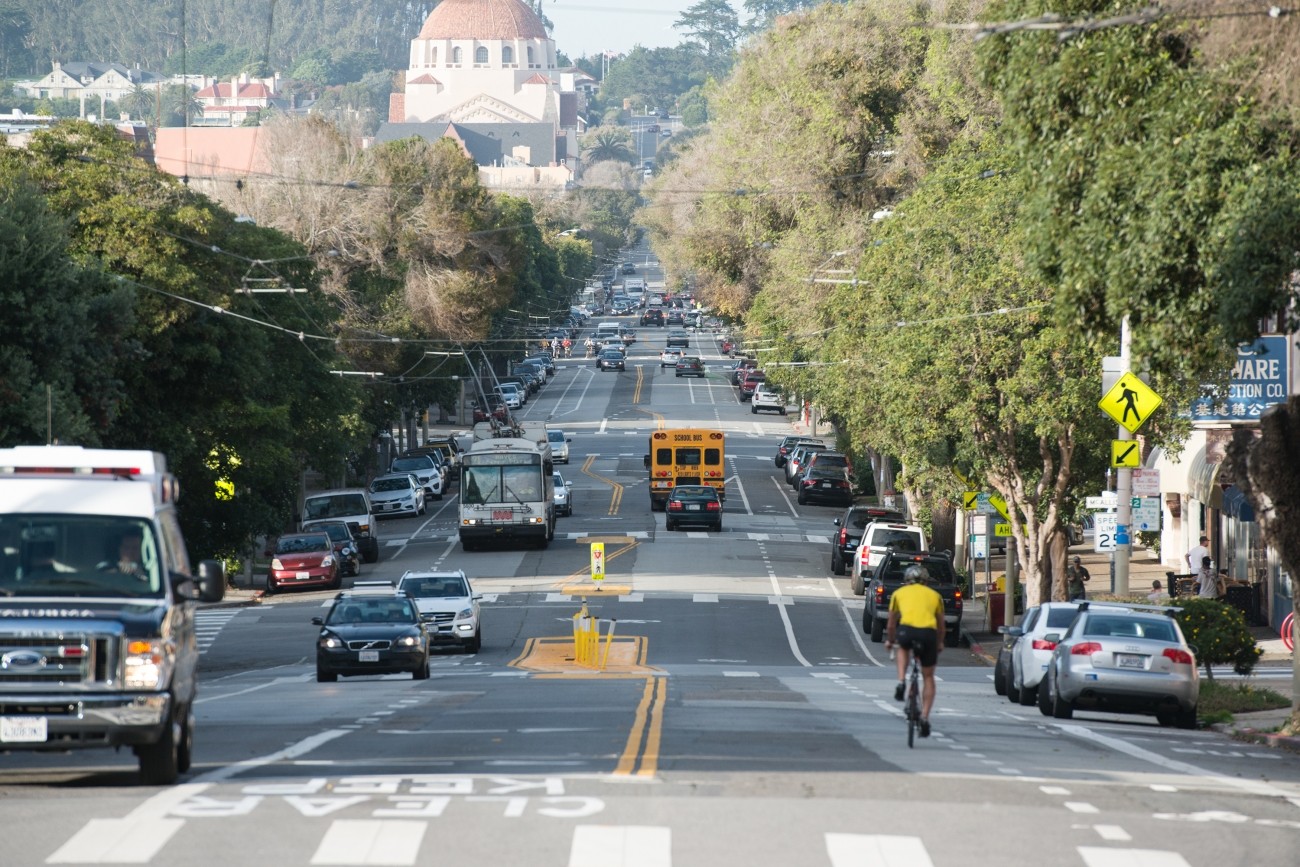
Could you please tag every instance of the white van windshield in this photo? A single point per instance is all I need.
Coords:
(79, 555)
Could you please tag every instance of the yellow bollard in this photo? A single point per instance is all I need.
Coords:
(609, 638)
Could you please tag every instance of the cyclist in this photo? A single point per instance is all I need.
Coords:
(916, 626)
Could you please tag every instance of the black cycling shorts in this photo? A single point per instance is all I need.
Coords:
(923, 642)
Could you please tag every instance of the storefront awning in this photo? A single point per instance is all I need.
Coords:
(1202, 481)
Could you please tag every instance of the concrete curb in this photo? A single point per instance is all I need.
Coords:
(1255, 736)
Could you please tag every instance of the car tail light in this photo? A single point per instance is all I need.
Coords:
(1085, 648)
(674, 506)
(880, 591)
(1040, 644)
(1178, 656)
(713, 507)
(844, 535)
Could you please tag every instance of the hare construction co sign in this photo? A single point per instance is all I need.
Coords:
(1259, 380)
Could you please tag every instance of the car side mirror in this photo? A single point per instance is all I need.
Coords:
(837, 522)
(319, 621)
(1054, 637)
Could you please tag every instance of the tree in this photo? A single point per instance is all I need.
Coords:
(180, 105)
(608, 143)
(713, 28)
(140, 103)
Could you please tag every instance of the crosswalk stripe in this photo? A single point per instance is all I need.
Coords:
(370, 841)
(876, 850)
(117, 841)
(621, 846)
(1094, 856)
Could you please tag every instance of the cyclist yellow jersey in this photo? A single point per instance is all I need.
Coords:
(918, 606)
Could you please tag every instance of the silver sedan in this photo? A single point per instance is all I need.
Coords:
(1122, 659)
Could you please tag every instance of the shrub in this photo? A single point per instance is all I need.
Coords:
(1219, 634)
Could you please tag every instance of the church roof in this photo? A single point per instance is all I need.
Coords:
(482, 19)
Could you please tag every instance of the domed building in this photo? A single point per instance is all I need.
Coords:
(484, 72)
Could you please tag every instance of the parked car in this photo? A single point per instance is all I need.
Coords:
(690, 365)
(693, 506)
(751, 381)
(741, 365)
(448, 607)
(788, 444)
(878, 540)
(563, 495)
(825, 485)
(396, 494)
(368, 633)
(826, 459)
(345, 546)
(799, 456)
(351, 506)
(851, 526)
(611, 359)
(426, 469)
(669, 358)
(510, 395)
(679, 338)
(559, 441)
(765, 400)
(303, 560)
(1030, 650)
(1122, 659)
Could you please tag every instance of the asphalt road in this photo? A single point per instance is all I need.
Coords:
(754, 726)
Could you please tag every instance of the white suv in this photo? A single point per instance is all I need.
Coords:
(1032, 652)
(448, 606)
(878, 538)
(764, 399)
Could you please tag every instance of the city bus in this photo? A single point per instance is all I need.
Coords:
(685, 456)
(507, 492)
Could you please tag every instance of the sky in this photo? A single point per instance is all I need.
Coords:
(589, 27)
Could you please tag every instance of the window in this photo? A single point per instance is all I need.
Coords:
(433, 56)
(663, 457)
(481, 54)
(530, 55)
(507, 55)
(688, 457)
(712, 456)
(456, 56)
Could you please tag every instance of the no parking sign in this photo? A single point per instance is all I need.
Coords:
(597, 561)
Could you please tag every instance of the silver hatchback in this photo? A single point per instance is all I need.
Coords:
(1122, 659)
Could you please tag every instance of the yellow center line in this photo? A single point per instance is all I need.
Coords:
(627, 761)
(650, 758)
(616, 497)
(658, 416)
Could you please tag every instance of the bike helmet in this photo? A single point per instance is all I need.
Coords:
(915, 575)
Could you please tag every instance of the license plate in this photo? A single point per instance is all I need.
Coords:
(693, 507)
(302, 576)
(826, 484)
(1130, 660)
(502, 515)
(23, 729)
(368, 655)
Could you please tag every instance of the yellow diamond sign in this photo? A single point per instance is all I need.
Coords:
(1130, 402)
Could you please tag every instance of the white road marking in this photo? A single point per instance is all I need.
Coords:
(621, 846)
(1080, 807)
(1094, 857)
(853, 628)
(370, 841)
(705, 597)
(1112, 832)
(780, 489)
(876, 850)
(741, 674)
(1054, 790)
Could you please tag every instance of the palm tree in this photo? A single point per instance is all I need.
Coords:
(139, 103)
(180, 105)
(608, 143)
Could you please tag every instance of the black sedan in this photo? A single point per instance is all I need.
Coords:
(610, 359)
(693, 506)
(345, 546)
(367, 634)
(679, 338)
(690, 365)
(828, 485)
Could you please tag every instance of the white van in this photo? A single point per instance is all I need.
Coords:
(351, 506)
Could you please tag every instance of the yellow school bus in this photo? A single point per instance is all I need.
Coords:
(685, 456)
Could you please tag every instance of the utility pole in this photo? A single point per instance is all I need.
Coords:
(1123, 487)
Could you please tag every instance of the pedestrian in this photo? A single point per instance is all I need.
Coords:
(1195, 555)
(1077, 576)
(1157, 594)
(1209, 585)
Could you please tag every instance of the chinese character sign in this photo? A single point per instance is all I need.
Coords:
(1259, 380)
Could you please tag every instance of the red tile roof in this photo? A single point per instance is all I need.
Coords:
(482, 19)
(424, 79)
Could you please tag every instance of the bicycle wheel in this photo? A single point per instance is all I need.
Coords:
(913, 709)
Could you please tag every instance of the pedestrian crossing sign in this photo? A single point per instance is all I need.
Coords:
(598, 561)
(1130, 402)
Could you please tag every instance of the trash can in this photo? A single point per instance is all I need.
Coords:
(1242, 597)
(997, 609)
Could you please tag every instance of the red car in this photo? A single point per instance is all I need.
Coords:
(753, 379)
(304, 560)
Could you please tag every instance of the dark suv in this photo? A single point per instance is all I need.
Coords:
(652, 316)
(849, 533)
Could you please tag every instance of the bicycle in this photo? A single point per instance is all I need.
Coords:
(912, 701)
